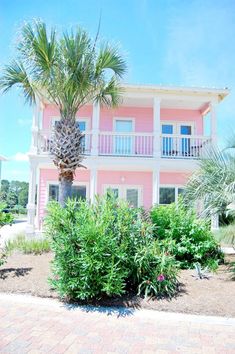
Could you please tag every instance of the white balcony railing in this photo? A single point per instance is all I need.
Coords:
(45, 138)
(183, 146)
(135, 144)
(126, 144)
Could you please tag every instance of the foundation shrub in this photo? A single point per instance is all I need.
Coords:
(106, 249)
(185, 236)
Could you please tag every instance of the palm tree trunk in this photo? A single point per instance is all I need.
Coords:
(65, 188)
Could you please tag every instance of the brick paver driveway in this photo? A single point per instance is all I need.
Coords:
(32, 325)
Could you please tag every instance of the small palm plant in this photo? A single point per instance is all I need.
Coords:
(69, 71)
(214, 182)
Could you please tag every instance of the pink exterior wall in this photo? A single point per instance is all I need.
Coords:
(128, 178)
(184, 115)
(174, 178)
(143, 179)
(51, 111)
(51, 175)
(143, 117)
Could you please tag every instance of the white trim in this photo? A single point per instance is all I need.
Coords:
(75, 183)
(125, 119)
(122, 189)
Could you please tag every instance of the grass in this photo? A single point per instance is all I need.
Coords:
(226, 235)
(27, 246)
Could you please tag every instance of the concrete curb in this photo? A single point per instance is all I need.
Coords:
(117, 311)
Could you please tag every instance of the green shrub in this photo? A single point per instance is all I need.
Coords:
(5, 219)
(27, 246)
(99, 250)
(185, 236)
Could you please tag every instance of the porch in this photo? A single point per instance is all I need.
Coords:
(173, 146)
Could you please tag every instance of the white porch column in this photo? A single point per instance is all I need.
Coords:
(156, 127)
(35, 127)
(156, 184)
(93, 184)
(213, 122)
(30, 228)
(214, 222)
(95, 129)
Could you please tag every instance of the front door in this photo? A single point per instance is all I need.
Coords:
(185, 142)
(123, 143)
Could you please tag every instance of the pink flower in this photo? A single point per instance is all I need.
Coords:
(161, 277)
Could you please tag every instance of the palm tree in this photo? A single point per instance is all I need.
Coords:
(214, 183)
(70, 71)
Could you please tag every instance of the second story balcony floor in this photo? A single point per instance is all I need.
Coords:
(152, 122)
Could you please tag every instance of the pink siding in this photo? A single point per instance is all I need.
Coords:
(143, 117)
(143, 179)
(51, 111)
(51, 175)
(186, 115)
(174, 178)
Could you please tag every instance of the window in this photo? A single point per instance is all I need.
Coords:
(77, 192)
(180, 191)
(167, 195)
(114, 191)
(132, 197)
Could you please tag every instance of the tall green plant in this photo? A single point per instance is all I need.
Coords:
(106, 249)
(5, 219)
(70, 71)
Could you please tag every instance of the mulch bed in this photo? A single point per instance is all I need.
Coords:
(214, 296)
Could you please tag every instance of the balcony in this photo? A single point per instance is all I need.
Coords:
(136, 145)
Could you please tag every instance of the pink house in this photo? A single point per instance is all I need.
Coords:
(144, 151)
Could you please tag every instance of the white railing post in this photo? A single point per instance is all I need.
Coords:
(213, 122)
(95, 129)
(93, 184)
(156, 127)
(31, 207)
(156, 184)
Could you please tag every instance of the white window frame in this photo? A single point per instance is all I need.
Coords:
(122, 188)
(175, 186)
(75, 183)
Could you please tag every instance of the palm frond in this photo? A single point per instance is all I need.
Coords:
(15, 74)
(214, 182)
(110, 94)
(109, 58)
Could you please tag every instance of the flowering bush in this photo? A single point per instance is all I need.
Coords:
(185, 236)
(106, 249)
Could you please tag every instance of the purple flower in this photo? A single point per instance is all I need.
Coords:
(161, 277)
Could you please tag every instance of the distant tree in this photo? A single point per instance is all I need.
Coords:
(14, 193)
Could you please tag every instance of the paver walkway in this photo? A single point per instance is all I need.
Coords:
(33, 325)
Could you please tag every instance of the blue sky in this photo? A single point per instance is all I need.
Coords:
(170, 42)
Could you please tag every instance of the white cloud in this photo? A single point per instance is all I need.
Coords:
(19, 156)
(24, 122)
